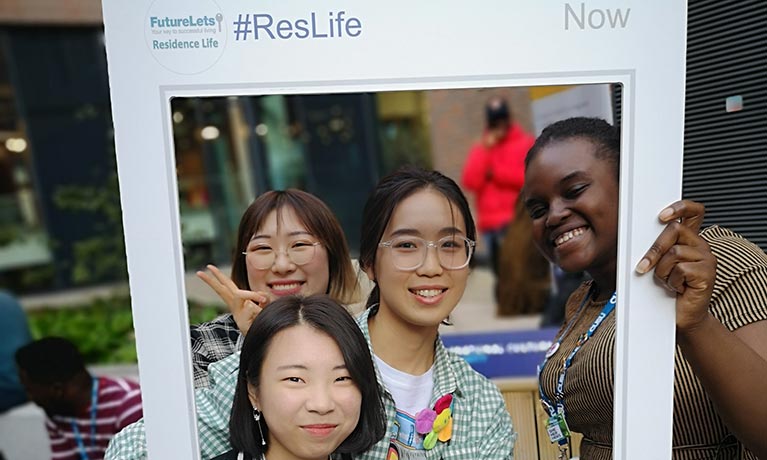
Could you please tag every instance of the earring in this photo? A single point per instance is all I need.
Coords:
(257, 418)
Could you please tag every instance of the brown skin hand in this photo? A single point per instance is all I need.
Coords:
(684, 263)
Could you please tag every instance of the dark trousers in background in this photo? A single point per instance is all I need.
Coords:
(493, 240)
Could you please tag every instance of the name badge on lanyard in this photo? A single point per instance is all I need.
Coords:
(556, 425)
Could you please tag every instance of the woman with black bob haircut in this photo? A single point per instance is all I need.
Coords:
(306, 387)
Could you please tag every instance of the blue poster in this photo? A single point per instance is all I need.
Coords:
(503, 354)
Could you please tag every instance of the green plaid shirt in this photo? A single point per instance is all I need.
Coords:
(481, 424)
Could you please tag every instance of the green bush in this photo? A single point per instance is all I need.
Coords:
(102, 329)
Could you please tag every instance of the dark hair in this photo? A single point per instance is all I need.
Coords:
(50, 360)
(390, 192)
(605, 137)
(497, 112)
(324, 314)
(319, 221)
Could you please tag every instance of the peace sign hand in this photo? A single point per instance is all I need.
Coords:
(244, 305)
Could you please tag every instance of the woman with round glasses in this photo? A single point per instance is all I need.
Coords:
(288, 242)
(417, 242)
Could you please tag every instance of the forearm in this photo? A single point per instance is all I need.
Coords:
(733, 375)
(513, 178)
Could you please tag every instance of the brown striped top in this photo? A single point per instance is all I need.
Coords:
(739, 298)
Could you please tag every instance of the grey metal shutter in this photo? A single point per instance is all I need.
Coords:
(725, 154)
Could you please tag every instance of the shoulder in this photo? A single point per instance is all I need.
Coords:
(224, 371)
(735, 257)
(214, 340)
(123, 385)
(732, 251)
(476, 149)
(224, 322)
(740, 288)
(118, 391)
(520, 137)
(232, 455)
(128, 444)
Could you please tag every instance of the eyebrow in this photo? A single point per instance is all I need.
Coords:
(303, 367)
(564, 180)
(415, 232)
(573, 175)
(266, 236)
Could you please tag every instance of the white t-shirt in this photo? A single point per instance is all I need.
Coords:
(411, 394)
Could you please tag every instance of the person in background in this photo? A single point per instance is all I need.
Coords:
(719, 280)
(494, 172)
(83, 411)
(14, 333)
(531, 284)
(526, 276)
(306, 387)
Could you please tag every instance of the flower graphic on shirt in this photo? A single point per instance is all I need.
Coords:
(436, 424)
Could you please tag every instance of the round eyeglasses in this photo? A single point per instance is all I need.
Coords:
(409, 252)
(263, 256)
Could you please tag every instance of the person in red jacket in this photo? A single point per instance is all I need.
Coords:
(494, 172)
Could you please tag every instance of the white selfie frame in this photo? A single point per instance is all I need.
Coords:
(399, 45)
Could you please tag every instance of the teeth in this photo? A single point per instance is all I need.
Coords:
(285, 287)
(428, 292)
(569, 235)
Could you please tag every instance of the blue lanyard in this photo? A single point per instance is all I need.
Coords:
(560, 389)
(76, 431)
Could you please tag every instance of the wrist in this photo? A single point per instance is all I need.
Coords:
(692, 331)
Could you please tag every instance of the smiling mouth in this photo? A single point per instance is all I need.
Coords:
(427, 293)
(285, 287)
(567, 236)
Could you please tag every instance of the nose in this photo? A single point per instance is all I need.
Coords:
(282, 263)
(430, 265)
(320, 400)
(558, 212)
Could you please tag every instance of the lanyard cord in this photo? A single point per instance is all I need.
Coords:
(76, 431)
(560, 403)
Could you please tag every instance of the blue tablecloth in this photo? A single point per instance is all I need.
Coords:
(503, 354)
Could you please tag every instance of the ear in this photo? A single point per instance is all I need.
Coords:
(252, 396)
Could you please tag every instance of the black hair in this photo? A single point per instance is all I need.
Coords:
(497, 112)
(605, 137)
(324, 314)
(50, 360)
(390, 192)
